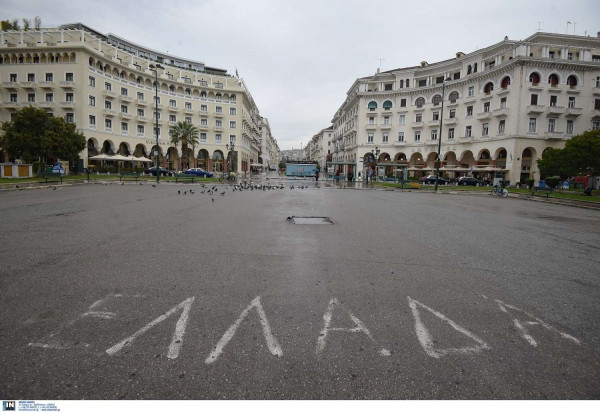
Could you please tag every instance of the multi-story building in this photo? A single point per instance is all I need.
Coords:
(269, 150)
(319, 147)
(106, 85)
(503, 106)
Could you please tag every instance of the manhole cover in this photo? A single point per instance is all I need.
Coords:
(312, 220)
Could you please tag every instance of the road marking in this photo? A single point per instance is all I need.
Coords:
(360, 327)
(272, 343)
(425, 337)
(524, 332)
(90, 312)
(176, 341)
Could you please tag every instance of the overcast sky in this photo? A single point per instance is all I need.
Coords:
(300, 57)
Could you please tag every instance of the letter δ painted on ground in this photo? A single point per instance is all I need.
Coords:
(426, 340)
(360, 327)
(521, 325)
(176, 341)
(272, 343)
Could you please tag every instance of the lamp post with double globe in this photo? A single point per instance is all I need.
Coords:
(230, 163)
(439, 159)
(154, 68)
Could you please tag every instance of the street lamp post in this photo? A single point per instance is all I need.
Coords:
(154, 68)
(230, 150)
(375, 153)
(439, 154)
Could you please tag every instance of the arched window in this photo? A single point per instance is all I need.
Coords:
(232, 97)
(488, 88)
(505, 82)
(387, 105)
(139, 80)
(437, 99)
(572, 81)
(453, 96)
(372, 106)
(526, 153)
(420, 102)
(218, 96)
(172, 89)
(188, 92)
(401, 84)
(534, 78)
(502, 154)
(407, 83)
(553, 79)
(203, 94)
(469, 69)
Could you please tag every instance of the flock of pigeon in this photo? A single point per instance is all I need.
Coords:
(220, 190)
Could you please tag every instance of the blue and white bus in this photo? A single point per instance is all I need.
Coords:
(300, 169)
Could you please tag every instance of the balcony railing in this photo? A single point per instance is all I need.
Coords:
(535, 108)
(433, 123)
(484, 116)
(554, 110)
(501, 112)
(573, 111)
(553, 135)
(417, 124)
(67, 83)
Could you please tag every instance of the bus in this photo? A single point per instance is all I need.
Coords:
(300, 169)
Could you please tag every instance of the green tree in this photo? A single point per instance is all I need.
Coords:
(32, 133)
(581, 156)
(186, 134)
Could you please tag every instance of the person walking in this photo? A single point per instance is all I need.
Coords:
(317, 176)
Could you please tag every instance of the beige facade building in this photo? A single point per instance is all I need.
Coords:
(319, 147)
(105, 85)
(503, 106)
(269, 149)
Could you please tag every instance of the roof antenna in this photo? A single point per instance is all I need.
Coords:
(568, 22)
(379, 69)
(574, 24)
(540, 25)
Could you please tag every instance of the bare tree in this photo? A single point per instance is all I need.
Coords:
(26, 23)
(15, 24)
(37, 22)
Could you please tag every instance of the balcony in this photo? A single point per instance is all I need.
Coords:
(431, 142)
(142, 135)
(595, 114)
(45, 104)
(173, 108)
(108, 129)
(67, 105)
(553, 135)
(67, 84)
(11, 105)
(109, 112)
(125, 98)
(109, 93)
(416, 125)
(450, 121)
(141, 119)
(386, 126)
(126, 115)
(433, 123)
(484, 116)
(188, 111)
(573, 111)
(399, 143)
(554, 110)
(141, 102)
(29, 85)
(503, 91)
(218, 114)
(172, 123)
(535, 108)
(204, 113)
(573, 90)
(124, 132)
(596, 91)
(502, 112)
(10, 85)
(535, 87)
(92, 127)
(219, 128)
(47, 85)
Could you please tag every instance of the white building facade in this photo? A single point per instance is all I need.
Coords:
(105, 85)
(503, 106)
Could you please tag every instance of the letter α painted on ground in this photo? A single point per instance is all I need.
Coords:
(360, 327)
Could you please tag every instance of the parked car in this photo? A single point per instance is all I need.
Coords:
(469, 181)
(198, 171)
(162, 171)
(431, 180)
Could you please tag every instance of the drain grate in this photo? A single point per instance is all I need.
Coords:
(310, 220)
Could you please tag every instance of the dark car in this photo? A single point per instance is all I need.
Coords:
(431, 180)
(198, 171)
(469, 181)
(162, 171)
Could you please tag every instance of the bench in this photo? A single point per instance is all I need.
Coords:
(129, 176)
(542, 191)
(185, 178)
(52, 177)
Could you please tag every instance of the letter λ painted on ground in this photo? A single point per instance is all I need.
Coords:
(360, 327)
(425, 337)
(176, 341)
(272, 343)
(520, 325)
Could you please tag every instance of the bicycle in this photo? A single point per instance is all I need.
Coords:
(231, 178)
(499, 191)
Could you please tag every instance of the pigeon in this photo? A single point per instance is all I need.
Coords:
(213, 200)
(185, 193)
(122, 183)
(179, 192)
(140, 183)
(153, 185)
(17, 186)
(54, 188)
(223, 194)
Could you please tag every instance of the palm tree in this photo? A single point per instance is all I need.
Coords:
(186, 134)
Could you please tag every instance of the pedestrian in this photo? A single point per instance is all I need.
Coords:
(317, 176)
(350, 176)
(337, 176)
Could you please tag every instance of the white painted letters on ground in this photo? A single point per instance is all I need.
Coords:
(176, 341)
(360, 327)
(523, 330)
(425, 337)
(272, 343)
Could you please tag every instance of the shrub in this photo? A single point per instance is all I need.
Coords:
(413, 185)
(529, 183)
(552, 181)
